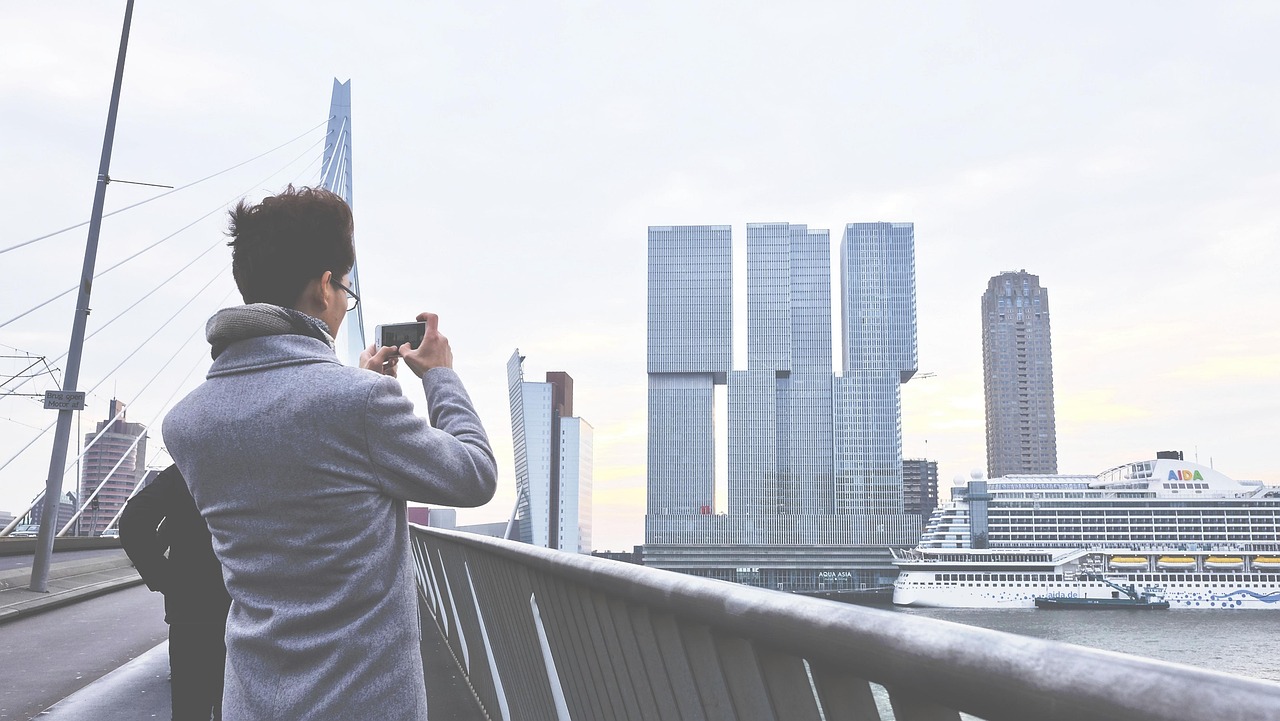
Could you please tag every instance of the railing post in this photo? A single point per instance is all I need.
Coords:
(788, 685)
(589, 639)
(843, 696)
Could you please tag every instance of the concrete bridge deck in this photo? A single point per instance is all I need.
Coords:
(95, 647)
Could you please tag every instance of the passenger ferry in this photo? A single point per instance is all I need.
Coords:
(1204, 539)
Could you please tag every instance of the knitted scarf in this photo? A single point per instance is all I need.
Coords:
(261, 319)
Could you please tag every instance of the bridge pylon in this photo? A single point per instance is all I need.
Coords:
(335, 173)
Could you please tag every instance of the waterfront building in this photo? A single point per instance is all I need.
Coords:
(554, 463)
(780, 407)
(1017, 373)
(919, 486)
(877, 272)
(793, 521)
(690, 351)
(117, 462)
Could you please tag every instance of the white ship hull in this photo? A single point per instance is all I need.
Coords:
(919, 589)
(1165, 529)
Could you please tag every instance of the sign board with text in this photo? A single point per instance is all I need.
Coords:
(64, 400)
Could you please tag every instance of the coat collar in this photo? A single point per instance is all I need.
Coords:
(271, 351)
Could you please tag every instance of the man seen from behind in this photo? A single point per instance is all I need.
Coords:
(301, 468)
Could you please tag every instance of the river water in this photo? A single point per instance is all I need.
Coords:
(1246, 643)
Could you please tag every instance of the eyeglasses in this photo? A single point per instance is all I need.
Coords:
(353, 300)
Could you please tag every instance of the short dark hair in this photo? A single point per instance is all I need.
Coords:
(288, 240)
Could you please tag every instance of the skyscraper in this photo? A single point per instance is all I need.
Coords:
(780, 407)
(812, 499)
(554, 462)
(878, 319)
(120, 458)
(690, 352)
(1017, 366)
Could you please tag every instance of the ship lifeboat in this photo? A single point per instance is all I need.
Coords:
(1224, 563)
(1266, 563)
(1129, 563)
(1176, 563)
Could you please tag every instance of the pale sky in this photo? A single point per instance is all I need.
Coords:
(508, 158)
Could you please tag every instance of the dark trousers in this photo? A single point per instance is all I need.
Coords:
(197, 657)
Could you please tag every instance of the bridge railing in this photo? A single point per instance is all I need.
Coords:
(550, 635)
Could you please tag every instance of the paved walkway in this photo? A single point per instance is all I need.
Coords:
(107, 659)
(70, 580)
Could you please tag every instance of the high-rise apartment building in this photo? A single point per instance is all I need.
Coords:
(919, 486)
(1017, 365)
(554, 462)
(812, 502)
(119, 457)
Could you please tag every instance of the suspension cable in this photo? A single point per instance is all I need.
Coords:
(164, 408)
(104, 380)
(7, 529)
(161, 195)
(139, 347)
(119, 315)
(162, 240)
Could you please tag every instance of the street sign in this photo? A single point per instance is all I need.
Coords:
(64, 400)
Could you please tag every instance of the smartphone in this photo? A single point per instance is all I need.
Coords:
(398, 334)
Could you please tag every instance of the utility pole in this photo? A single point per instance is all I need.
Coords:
(57, 460)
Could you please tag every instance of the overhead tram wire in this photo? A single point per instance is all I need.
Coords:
(15, 420)
(49, 427)
(121, 364)
(170, 192)
(104, 326)
(13, 390)
(5, 531)
(148, 339)
(103, 272)
(135, 304)
(164, 410)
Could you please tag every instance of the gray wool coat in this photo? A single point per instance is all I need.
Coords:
(301, 467)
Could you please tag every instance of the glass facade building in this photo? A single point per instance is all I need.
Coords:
(878, 297)
(878, 319)
(814, 475)
(690, 349)
(1017, 373)
(553, 460)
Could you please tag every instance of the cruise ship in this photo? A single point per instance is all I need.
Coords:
(1167, 528)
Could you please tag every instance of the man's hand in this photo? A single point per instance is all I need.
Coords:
(433, 352)
(380, 360)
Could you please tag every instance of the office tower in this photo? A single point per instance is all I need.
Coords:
(1017, 372)
(690, 351)
(119, 457)
(814, 460)
(780, 407)
(554, 462)
(878, 320)
(577, 466)
(919, 486)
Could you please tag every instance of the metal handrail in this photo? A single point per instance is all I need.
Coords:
(548, 634)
